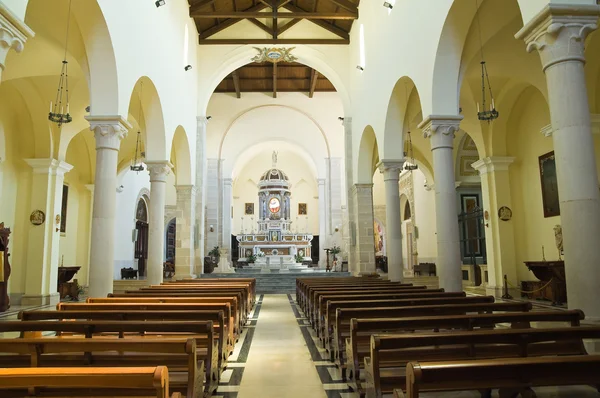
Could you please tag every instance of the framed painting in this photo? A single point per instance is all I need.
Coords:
(302, 209)
(63, 210)
(249, 209)
(550, 200)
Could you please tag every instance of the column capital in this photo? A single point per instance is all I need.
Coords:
(202, 121)
(444, 124)
(321, 181)
(362, 188)
(108, 130)
(492, 164)
(159, 170)
(227, 181)
(49, 166)
(13, 33)
(558, 32)
(390, 168)
(187, 190)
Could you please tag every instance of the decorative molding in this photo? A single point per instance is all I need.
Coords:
(444, 124)
(493, 164)
(391, 168)
(49, 166)
(185, 190)
(159, 170)
(547, 131)
(274, 55)
(13, 34)
(108, 130)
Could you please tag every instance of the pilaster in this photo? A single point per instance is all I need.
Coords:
(323, 241)
(364, 250)
(350, 199)
(184, 243)
(201, 174)
(212, 204)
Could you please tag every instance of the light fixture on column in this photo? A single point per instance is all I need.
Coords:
(411, 164)
(159, 3)
(483, 114)
(387, 4)
(360, 68)
(187, 67)
(57, 112)
(136, 163)
(211, 228)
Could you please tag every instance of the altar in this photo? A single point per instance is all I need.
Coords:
(272, 244)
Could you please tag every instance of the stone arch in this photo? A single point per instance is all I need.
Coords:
(241, 56)
(368, 157)
(152, 123)
(405, 209)
(181, 158)
(395, 123)
(467, 153)
(449, 59)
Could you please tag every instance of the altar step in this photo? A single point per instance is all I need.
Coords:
(278, 283)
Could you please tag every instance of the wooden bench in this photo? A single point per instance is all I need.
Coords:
(201, 331)
(186, 372)
(216, 317)
(358, 344)
(329, 308)
(344, 314)
(401, 300)
(511, 375)
(157, 304)
(81, 382)
(250, 282)
(389, 354)
(303, 286)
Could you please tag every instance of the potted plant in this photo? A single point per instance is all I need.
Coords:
(335, 250)
(299, 258)
(215, 255)
(251, 259)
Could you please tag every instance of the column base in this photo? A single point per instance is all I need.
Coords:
(33, 300)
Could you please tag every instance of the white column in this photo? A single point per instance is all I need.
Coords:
(350, 245)
(44, 240)
(335, 187)
(90, 187)
(391, 174)
(227, 219)
(13, 34)
(159, 170)
(558, 33)
(201, 173)
(108, 131)
(323, 242)
(212, 204)
(184, 244)
(440, 130)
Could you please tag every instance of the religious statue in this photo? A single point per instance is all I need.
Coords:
(274, 157)
(558, 238)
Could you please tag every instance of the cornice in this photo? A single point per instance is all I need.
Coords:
(561, 13)
(492, 164)
(23, 31)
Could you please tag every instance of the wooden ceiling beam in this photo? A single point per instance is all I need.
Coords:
(314, 76)
(275, 9)
(222, 42)
(274, 80)
(227, 23)
(327, 26)
(289, 25)
(280, 90)
(236, 84)
(346, 5)
(202, 3)
(256, 14)
(261, 25)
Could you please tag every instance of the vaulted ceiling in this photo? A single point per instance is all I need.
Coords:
(273, 18)
(272, 78)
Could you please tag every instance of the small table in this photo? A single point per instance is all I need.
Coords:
(553, 271)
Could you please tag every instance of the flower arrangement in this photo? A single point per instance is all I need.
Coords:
(251, 259)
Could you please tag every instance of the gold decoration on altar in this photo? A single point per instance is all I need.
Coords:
(274, 55)
(1, 266)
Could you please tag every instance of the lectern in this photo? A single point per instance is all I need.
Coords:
(552, 272)
(4, 268)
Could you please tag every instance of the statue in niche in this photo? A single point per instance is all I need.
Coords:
(274, 158)
(558, 238)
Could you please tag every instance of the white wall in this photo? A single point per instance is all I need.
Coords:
(133, 183)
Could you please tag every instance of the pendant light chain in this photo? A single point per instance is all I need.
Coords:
(138, 143)
(57, 111)
(412, 166)
(484, 114)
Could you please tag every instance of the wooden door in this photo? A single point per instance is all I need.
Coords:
(141, 247)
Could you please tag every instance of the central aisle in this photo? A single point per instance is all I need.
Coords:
(279, 363)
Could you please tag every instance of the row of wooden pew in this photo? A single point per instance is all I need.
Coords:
(388, 337)
(174, 338)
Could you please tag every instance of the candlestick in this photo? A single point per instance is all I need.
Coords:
(50, 106)
(543, 254)
(478, 107)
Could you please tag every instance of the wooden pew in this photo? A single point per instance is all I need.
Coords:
(80, 382)
(310, 289)
(251, 282)
(401, 300)
(186, 372)
(215, 316)
(511, 375)
(303, 286)
(201, 331)
(157, 304)
(389, 354)
(328, 308)
(341, 328)
(361, 330)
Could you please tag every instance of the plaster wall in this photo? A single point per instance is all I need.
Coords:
(425, 219)
(133, 184)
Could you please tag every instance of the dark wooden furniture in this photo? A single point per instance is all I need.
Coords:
(510, 375)
(4, 268)
(65, 287)
(129, 273)
(553, 271)
(126, 382)
(425, 269)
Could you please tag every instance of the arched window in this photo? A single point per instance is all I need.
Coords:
(407, 212)
(141, 213)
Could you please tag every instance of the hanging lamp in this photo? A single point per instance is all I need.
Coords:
(136, 164)
(412, 165)
(57, 109)
(483, 114)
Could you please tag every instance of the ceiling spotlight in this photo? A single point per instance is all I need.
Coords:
(208, 117)
(387, 4)
(341, 119)
(159, 3)
(88, 108)
(360, 68)
(187, 67)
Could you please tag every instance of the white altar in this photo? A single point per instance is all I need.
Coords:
(274, 245)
